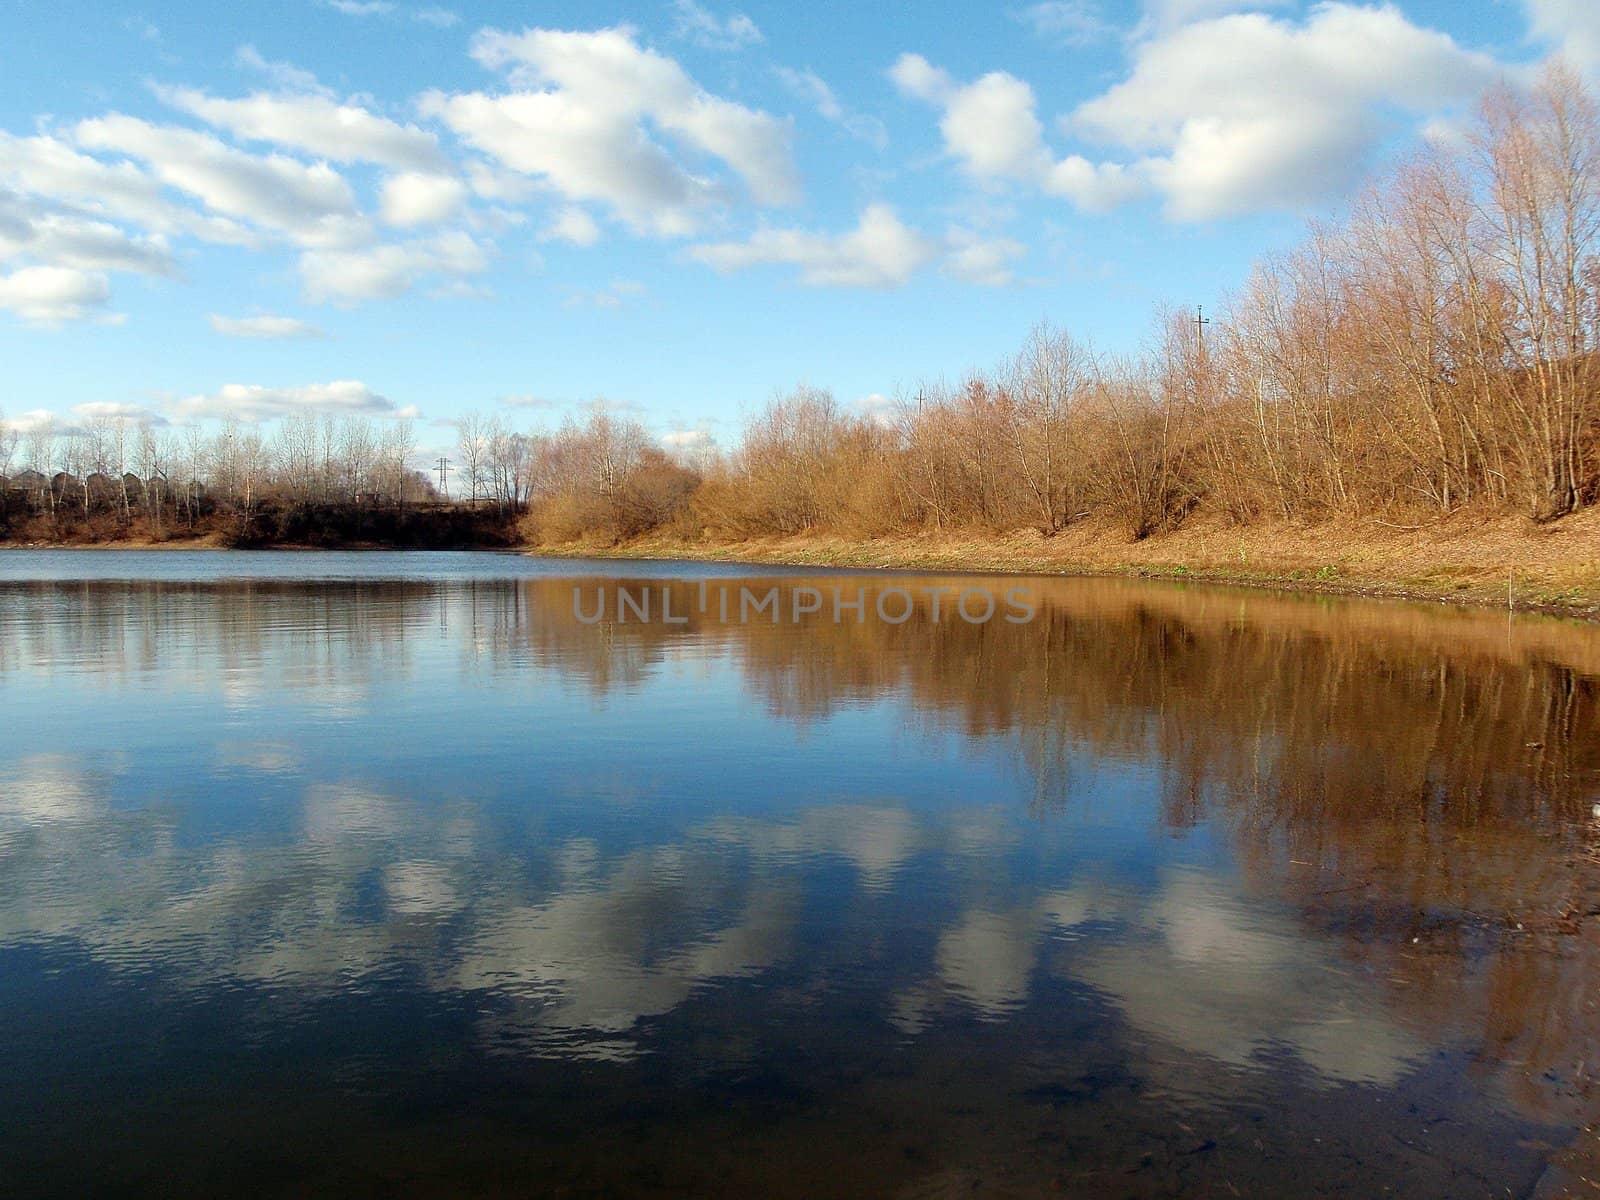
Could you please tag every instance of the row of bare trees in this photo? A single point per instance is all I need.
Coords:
(172, 478)
(1440, 349)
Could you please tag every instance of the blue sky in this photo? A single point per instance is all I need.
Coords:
(424, 208)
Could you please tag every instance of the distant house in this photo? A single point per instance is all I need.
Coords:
(133, 485)
(102, 488)
(29, 483)
(63, 484)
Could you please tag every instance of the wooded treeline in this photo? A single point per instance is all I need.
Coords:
(1435, 351)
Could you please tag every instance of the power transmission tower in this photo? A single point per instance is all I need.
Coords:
(443, 467)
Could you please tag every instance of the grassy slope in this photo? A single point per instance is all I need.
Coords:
(1466, 560)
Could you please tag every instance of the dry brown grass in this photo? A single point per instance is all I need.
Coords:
(1466, 559)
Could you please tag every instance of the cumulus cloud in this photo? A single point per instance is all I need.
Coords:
(1573, 26)
(264, 326)
(574, 226)
(582, 119)
(1221, 115)
(315, 123)
(111, 410)
(43, 238)
(984, 261)
(687, 439)
(36, 420)
(252, 402)
(878, 408)
(347, 276)
(814, 90)
(1164, 15)
(311, 204)
(1248, 111)
(418, 198)
(51, 295)
(879, 252)
(702, 27)
(46, 167)
(991, 128)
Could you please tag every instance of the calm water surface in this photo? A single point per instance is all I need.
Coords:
(384, 874)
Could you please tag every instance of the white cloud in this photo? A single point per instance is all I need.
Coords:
(252, 402)
(51, 295)
(879, 252)
(916, 76)
(1249, 112)
(263, 326)
(36, 420)
(361, 8)
(490, 182)
(878, 408)
(1065, 22)
(984, 261)
(46, 167)
(111, 410)
(439, 18)
(703, 28)
(687, 439)
(1573, 26)
(53, 239)
(416, 198)
(1161, 16)
(572, 225)
(990, 125)
(1095, 187)
(1222, 115)
(285, 76)
(814, 90)
(310, 204)
(345, 133)
(615, 295)
(991, 129)
(347, 276)
(582, 124)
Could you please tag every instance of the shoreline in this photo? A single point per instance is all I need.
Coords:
(1482, 564)
(1368, 589)
(1501, 562)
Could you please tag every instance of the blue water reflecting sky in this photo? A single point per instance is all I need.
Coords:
(394, 830)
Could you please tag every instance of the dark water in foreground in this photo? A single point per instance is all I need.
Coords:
(383, 874)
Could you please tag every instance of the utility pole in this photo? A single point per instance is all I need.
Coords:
(1200, 323)
(443, 467)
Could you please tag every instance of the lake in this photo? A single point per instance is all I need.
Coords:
(453, 874)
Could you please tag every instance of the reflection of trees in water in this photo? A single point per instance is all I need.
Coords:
(1391, 772)
(1304, 717)
(248, 635)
